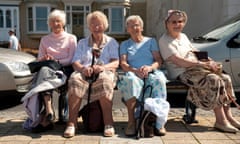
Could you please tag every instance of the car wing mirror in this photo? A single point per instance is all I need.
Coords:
(237, 40)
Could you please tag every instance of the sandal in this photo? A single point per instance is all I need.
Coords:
(69, 132)
(108, 131)
(130, 130)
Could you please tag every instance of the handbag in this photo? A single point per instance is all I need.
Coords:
(92, 117)
(37, 65)
(201, 55)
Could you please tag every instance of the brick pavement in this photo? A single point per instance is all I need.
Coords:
(11, 131)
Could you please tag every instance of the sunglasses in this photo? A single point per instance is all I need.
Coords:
(177, 22)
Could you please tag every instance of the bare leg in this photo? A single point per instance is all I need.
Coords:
(220, 116)
(221, 121)
(131, 104)
(74, 104)
(106, 106)
(48, 104)
(230, 118)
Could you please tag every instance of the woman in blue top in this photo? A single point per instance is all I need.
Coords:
(140, 58)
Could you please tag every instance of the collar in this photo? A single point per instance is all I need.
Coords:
(104, 41)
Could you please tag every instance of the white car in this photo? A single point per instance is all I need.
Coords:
(223, 45)
(15, 75)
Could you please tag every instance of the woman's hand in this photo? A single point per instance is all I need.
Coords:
(143, 71)
(212, 65)
(46, 57)
(216, 67)
(87, 71)
(98, 68)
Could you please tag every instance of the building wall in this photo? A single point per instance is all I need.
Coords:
(202, 15)
(29, 40)
(140, 9)
(32, 40)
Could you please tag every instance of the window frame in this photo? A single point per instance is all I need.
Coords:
(109, 15)
(35, 19)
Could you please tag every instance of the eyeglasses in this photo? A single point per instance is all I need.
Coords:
(134, 25)
(96, 25)
(176, 22)
(55, 21)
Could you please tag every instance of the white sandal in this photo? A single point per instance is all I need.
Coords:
(109, 131)
(69, 132)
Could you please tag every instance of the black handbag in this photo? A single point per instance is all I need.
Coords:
(37, 65)
(92, 117)
(201, 55)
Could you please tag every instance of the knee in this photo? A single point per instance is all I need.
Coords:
(106, 99)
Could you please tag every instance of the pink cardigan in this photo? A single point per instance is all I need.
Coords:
(61, 46)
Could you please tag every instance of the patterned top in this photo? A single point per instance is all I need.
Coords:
(84, 51)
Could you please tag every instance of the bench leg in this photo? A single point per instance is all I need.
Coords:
(62, 106)
(190, 110)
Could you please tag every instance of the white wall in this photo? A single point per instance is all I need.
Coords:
(202, 14)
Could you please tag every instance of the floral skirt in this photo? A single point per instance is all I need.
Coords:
(131, 85)
(207, 90)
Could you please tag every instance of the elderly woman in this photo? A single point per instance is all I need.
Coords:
(59, 46)
(209, 89)
(87, 63)
(140, 59)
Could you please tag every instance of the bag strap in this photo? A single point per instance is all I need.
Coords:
(141, 113)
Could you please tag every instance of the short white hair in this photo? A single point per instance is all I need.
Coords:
(100, 15)
(59, 14)
(134, 17)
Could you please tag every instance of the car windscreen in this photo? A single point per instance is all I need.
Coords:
(223, 31)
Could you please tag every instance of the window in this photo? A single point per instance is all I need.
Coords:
(1, 19)
(37, 18)
(41, 18)
(8, 19)
(116, 17)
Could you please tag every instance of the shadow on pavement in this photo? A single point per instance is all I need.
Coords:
(8, 101)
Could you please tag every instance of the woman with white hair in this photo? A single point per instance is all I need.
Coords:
(96, 55)
(59, 46)
(140, 59)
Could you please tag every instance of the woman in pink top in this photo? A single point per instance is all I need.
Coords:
(59, 46)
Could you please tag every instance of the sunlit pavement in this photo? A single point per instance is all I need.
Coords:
(178, 132)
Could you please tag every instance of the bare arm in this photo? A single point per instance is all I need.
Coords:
(182, 62)
(124, 65)
(188, 63)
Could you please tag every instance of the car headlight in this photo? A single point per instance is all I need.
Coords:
(18, 68)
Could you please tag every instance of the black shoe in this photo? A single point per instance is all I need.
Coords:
(61, 122)
(50, 117)
(189, 120)
(40, 128)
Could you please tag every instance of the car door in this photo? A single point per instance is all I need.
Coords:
(234, 46)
